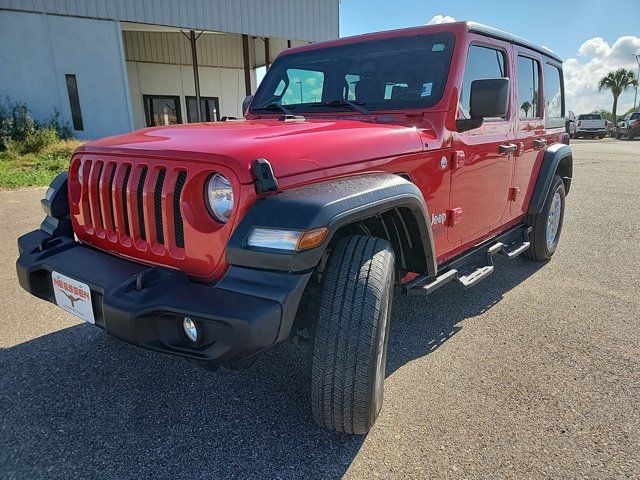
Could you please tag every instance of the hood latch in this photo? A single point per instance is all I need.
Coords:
(265, 179)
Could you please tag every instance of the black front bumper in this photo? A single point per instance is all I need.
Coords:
(241, 315)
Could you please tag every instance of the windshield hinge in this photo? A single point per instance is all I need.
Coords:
(265, 180)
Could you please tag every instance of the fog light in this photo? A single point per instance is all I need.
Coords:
(190, 329)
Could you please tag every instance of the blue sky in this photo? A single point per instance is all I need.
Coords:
(592, 36)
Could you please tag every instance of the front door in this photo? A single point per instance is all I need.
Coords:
(482, 159)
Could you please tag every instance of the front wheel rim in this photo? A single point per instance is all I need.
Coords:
(553, 222)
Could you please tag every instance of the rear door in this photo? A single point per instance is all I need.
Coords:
(530, 131)
(482, 166)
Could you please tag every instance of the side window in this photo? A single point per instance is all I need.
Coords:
(528, 87)
(554, 93)
(305, 86)
(482, 62)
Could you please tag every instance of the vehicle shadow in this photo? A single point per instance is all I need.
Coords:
(80, 404)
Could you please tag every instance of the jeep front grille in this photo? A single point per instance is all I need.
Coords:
(134, 205)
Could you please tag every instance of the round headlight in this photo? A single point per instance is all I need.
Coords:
(219, 197)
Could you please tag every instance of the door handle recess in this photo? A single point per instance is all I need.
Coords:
(508, 148)
(539, 143)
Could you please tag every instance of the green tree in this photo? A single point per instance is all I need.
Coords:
(526, 106)
(617, 81)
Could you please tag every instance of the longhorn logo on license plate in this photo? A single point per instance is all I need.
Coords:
(73, 296)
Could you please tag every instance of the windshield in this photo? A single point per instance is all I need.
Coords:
(590, 117)
(389, 74)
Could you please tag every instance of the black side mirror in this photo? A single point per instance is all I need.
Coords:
(489, 98)
(245, 103)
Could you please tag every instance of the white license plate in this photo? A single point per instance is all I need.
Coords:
(73, 296)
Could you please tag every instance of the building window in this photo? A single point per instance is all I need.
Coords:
(528, 87)
(74, 101)
(482, 62)
(209, 107)
(162, 110)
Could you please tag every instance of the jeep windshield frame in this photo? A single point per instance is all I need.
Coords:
(395, 73)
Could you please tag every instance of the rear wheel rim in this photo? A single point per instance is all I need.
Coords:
(553, 222)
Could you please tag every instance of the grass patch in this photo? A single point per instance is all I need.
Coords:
(19, 170)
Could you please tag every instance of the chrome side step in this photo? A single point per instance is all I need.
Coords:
(475, 276)
(515, 250)
(474, 265)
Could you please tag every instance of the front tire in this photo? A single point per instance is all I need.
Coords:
(349, 343)
(547, 225)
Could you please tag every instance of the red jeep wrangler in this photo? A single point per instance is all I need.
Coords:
(403, 159)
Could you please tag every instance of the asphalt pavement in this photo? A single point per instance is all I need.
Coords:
(534, 373)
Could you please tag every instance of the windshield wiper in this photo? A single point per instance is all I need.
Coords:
(273, 106)
(341, 102)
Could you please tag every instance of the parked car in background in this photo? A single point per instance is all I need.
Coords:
(629, 127)
(590, 125)
(570, 124)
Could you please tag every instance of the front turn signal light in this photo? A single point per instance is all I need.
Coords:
(312, 238)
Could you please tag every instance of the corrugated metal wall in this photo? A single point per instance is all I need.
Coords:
(312, 20)
(214, 50)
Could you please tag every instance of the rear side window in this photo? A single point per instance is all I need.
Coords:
(554, 95)
(528, 87)
(482, 62)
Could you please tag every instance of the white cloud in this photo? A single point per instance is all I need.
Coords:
(595, 59)
(440, 19)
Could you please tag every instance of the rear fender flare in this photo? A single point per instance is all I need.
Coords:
(331, 204)
(555, 155)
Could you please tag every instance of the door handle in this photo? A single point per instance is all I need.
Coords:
(539, 143)
(507, 148)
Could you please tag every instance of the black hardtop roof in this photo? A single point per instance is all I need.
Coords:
(509, 37)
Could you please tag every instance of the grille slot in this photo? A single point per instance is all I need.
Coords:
(177, 213)
(124, 200)
(143, 177)
(157, 203)
(113, 174)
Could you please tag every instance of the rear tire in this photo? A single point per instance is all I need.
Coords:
(349, 343)
(547, 225)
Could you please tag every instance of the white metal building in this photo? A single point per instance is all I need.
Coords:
(111, 66)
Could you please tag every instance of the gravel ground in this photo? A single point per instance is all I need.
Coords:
(535, 373)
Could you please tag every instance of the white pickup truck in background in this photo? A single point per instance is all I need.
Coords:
(590, 125)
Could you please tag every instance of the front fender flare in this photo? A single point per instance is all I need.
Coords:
(331, 204)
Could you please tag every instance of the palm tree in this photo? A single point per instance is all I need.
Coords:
(526, 106)
(617, 81)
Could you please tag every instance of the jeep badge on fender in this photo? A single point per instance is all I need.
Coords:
(394, 161)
